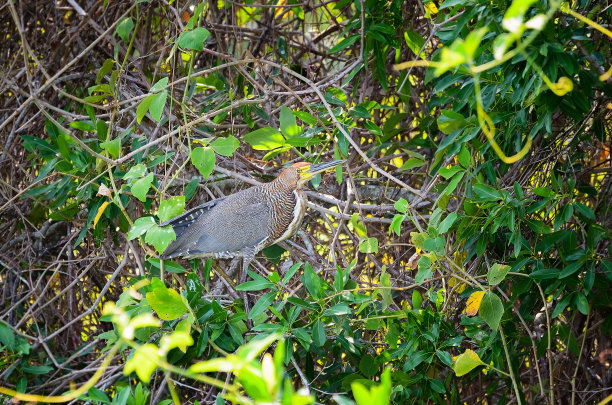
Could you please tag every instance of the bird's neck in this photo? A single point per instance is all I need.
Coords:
(279, 184)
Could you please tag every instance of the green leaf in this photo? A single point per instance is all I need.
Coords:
(140, 187)
(225, 146)
(107, 66)
(412, 163)
(401, 205)
(368, 365)
(204, 160)
(255, 285)
(417, 300)
(582, 304)
(144, 362)
(167, 303)
(112, 147)
(543, 192)
(338, 309)
(135, 172)
(124, 27)
(140, 226)
(486, 192)
(450, 121)
(497, 273)
(157, 105)
(447, 223)
(396, 224)
(491, 309)
(539, 227)
(261, 304)
(159, 86)
(194, 39)
(448, 172)
(318, 333)
(143, 107)
(170, 208)
(7, 336)
(288, 124)
(466, 362)
(265, 138)
(311, 280)
(160, 237)
(584, 210)
(414, 40)
(369, 245)
(290, 273)
(571, 269)
(345, 43)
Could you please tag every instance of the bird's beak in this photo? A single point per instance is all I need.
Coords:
(320, 167)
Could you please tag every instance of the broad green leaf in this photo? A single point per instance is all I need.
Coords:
(338, 309)
(124, 27)
(466, 362)
(158, 102)
(225, 146)
(448, 172)
(287, 123)
(401, 205)
(318, 333)
(368, 365)
(582, 303)
(143, 107)
(571, 269)
(311, 280)
(543, 192)
(167, 303)
(486, 192)
(472, 42)
(265, 138)
(135, 172)
(159, 86)
(447, 223)
(450, 121)
(491, 309)
(140, 226)
(170, 208)
(194, 39)
(417, 300)
(369, 245)
(160, 237)
(7, 336)
(261, 304)
(396, 224)
(497, 273)
(412, 163)
(143, 362)
(140, 187)
(204, 160)
(112, 147)
(107, 66)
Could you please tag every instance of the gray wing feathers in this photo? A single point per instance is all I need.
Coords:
(230, 225)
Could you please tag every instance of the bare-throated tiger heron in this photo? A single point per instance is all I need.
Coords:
(242, 224)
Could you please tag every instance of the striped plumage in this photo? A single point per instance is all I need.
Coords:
(242, 224)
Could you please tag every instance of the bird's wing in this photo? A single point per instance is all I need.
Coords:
(231, 226)
(182, 222)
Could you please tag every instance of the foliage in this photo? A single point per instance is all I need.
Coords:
(468, 256)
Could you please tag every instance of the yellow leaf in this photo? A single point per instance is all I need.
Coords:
(100, 212)
(473, 303)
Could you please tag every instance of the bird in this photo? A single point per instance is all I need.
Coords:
(242, 224)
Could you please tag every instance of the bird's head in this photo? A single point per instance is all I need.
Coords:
(298, 174)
